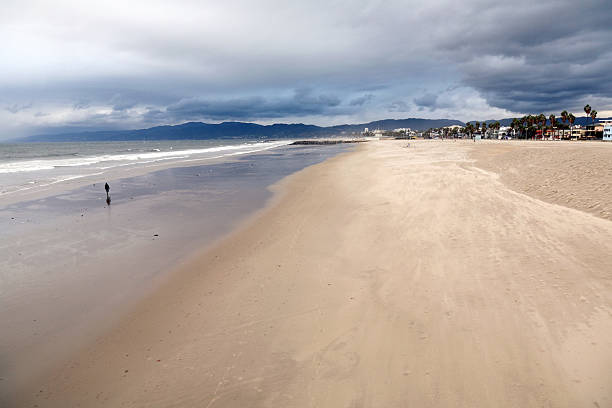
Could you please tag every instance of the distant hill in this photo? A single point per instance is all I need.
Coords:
(202, 131)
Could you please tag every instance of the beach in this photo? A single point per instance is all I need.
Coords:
(399, 273)
(71, 265)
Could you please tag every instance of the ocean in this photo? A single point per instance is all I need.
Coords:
(26, 167)
(71, 265)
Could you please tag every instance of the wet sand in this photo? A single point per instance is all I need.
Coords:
(70, 265)
(389, 276)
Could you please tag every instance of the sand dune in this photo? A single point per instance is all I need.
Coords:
(385, 277)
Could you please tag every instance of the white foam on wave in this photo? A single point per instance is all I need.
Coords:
(121, 159)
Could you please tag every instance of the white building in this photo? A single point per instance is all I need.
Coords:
(504, 132)
(607, 131)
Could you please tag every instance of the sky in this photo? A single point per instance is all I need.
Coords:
(92, 65)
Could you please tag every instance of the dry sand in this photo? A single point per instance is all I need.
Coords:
(386, 277)
(576, 175)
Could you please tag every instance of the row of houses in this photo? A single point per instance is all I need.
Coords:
(597, 131)
(600, 130)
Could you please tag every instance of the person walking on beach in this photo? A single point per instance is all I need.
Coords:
(107, 188)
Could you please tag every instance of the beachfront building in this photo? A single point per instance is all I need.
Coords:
(577, 132)
(402, 130)
(594, 131)
(504, 132)
(562, 134)
(367, 133)
(607, 130)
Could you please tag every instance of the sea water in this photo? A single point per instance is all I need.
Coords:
(70, 264)
(26, 167)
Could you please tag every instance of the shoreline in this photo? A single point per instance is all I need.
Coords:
(119, 172)
(374, 277)
(172, 275)
(116, 277)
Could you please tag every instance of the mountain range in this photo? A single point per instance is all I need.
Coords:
(200, 130)
(228, 130)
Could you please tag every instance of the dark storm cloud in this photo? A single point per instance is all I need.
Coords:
(544, 86)
(304, 102)
(153, 62)
(535, 57)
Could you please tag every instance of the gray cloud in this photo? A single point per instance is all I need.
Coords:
(303, 102)
(120, 102)
(398, 106)
(426, 101)
(243, 61)
(361, 100)
(15, 108)
(79, 105)
(533, 57)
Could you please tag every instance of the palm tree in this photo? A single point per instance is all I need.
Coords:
(564, 119)
(552, 120)
(469, 129)
(587, 109)
(531, 121)
(571, 119)
(516, 125)
(540, 122)
(494, 126)
(525, 125)
(593, 116)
